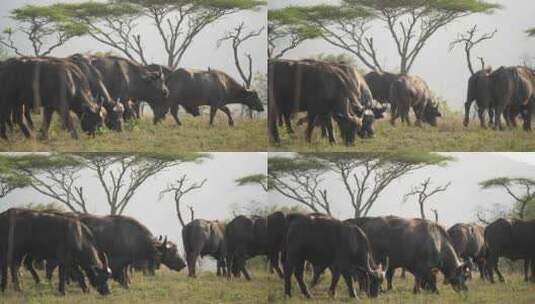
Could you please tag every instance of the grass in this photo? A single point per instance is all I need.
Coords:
(143, 136)
(172, 287)
(450, 135)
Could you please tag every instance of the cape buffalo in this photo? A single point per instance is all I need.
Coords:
(513, 239)
(479, 90)
(320, 89)
(193, 88)
(419, 246)
(245, 237)
(513, 91)
(125, 241)
(327, 242)
(55, 84)
(469, 243)
(50, 236)
(412, 91)
(127, 81)
(202, 237)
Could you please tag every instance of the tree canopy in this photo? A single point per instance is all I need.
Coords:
(520, 189)
(409, 23)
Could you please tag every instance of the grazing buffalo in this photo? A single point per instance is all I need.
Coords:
(513, 92)
(468, 240)
(513, 239)
(114, 109)
(320, 89)
(128, 81)
(202, 237)
(326, 242)
(479, 90)
(412, 91)
(193, 88)
(55, 84)
(380, 83)
(127, 241)
(46, 235)
(245, 237)
(419, 246)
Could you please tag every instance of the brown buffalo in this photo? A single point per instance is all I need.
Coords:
(409, 92)
(200, 238)
(193, 88)
(479, 90)
(469, 243)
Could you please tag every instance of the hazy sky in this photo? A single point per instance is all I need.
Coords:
(213, 201)
(202, 54)
(446, 72)
(457, 204)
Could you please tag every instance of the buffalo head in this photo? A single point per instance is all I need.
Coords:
(457, 278)
(91, 119)
(251, 99)
(114, 115)
(157, 80)
(99, 274)
(431, 112)
(169, 256)
(368, 119)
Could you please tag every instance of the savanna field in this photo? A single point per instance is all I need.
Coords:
(449, 135)
(173, 287)
(142, 136)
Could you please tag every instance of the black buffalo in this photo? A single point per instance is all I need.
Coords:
(46, 235)
(193, 88)
(326, 242)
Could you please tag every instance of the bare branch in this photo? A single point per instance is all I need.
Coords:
(179, 189)
(469, 40)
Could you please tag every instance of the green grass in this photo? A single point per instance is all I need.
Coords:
(450, 135)
(172, 287)
(143, 136)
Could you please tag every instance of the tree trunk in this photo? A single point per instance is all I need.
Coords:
(422, 212)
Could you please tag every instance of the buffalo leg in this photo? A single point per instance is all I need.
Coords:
(28, 117)
(213, 111)
(191, 260)
(394, 114)
(389, 277)
(299, 276)
(288, 123)
(274, 263)
(47, 118)
(18, 115)
(288, 271)
(526, 270)
(49, 268)
(481, 114)
(3, 123)
(174, 113)
(4, 267)
(28, 264)
(327, 125)
(62, 278)
(334, 281)
(67, 121)
(244, 269)
(77, 275)
(318, 270)
(532, 278)
(310, 127)
(226, 110)
(526, 116)
(15, 274)
(498, 117)
(349, 283)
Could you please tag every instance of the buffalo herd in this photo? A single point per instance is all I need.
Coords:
(364, 250)
(107, 90)
(331, 91)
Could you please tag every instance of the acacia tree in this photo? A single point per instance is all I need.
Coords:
(520, 189)
(254, 179)
(364, 176)
(179, 189)
(469, 40)
(286, 31)
(176, 22)
(9, 180)
(120, 176)
(423, 192)
(237, 37)
(409, 23)
(46, 27)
